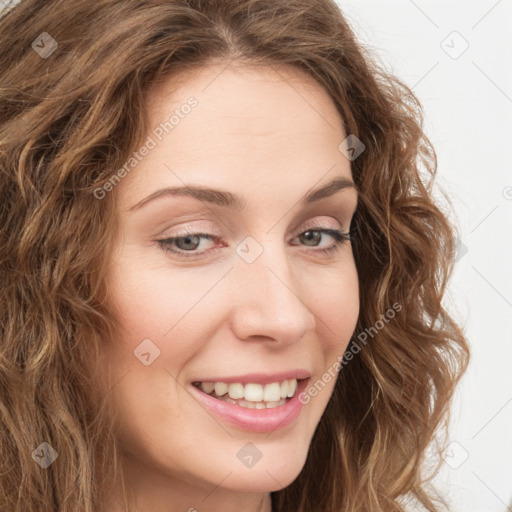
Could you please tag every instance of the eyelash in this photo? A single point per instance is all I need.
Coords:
(339, 238)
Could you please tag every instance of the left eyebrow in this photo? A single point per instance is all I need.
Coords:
(236, 202)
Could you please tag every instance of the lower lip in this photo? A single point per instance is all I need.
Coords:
(255, 420)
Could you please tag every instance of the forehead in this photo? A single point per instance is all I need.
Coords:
(250, 123)
(218, 80)
(247, 101)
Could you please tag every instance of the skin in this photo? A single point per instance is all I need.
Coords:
(269, 134)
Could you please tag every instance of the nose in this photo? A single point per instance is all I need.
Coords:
(268, 302)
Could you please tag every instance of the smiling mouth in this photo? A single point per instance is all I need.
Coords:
(252, 395)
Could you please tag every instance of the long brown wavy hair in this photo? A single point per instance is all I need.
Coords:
(70, 118)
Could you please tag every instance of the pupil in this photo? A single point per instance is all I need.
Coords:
(312, 236)
(187, 240)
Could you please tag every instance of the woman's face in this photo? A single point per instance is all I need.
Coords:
(251, 292)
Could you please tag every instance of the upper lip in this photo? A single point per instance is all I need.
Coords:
(259, 378)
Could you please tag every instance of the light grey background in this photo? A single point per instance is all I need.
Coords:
(468, 116)
(467, 98)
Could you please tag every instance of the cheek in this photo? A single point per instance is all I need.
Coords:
(150, 303)
(335, 298)
(157, 317)
(336, 309)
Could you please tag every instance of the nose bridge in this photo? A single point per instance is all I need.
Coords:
(267, 302)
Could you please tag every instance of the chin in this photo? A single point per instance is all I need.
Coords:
(275, 470)
(261, 481)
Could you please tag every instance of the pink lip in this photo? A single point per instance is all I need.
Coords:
(259, 378)
(255, 420)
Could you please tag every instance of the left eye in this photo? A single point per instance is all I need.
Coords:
(188, 244)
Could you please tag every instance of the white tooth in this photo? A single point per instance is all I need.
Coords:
(221, 388)
(246, 404)
(253, 392)
(260, 405)
(276, 403)
(207, 387)
(272, 392)
(292, 386)
(236, 391)
(228, 400)
(284, 389)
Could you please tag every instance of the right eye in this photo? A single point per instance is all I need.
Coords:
(186, 245)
